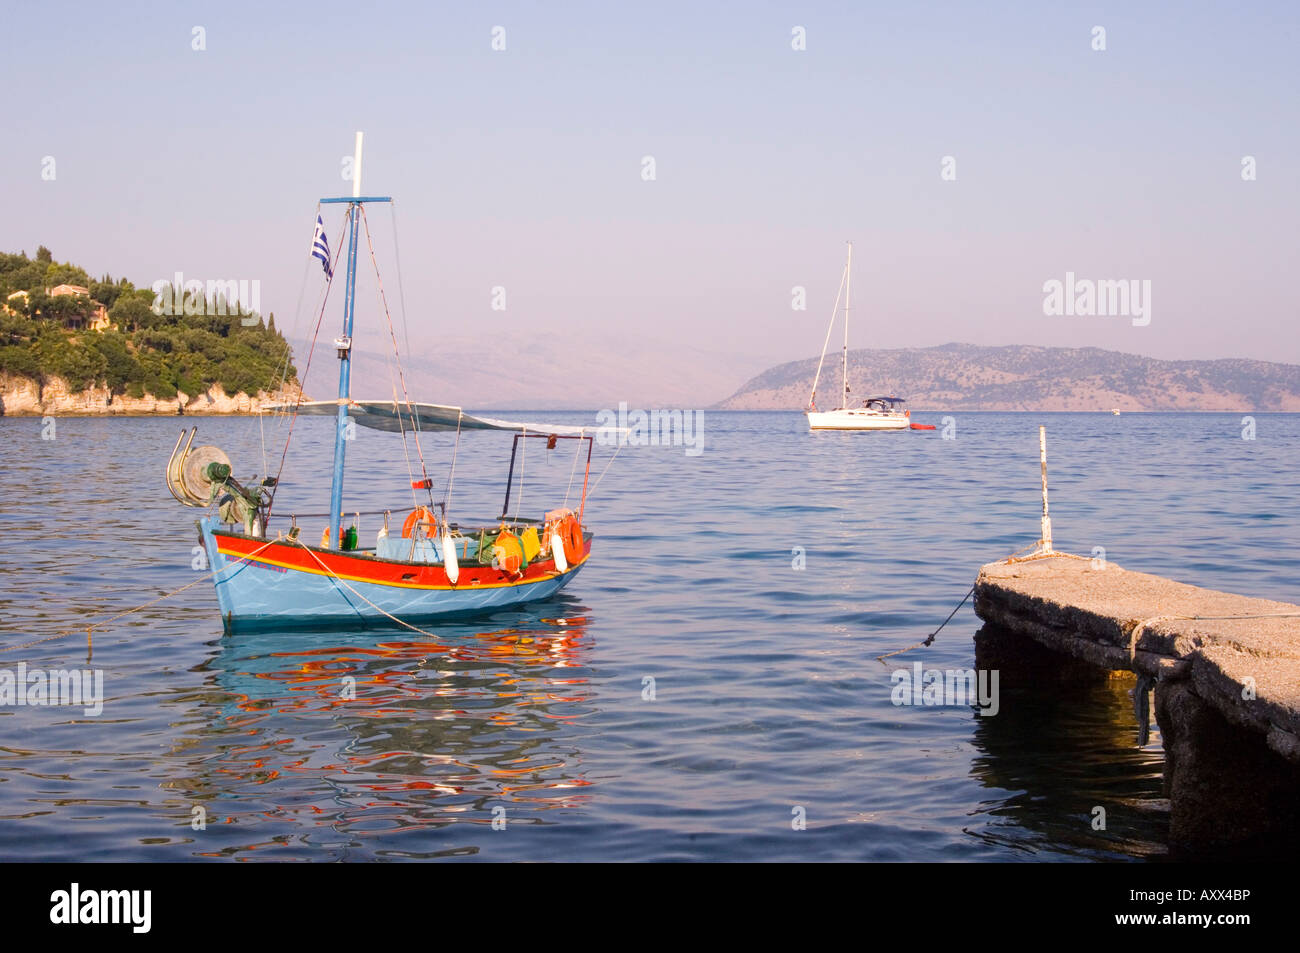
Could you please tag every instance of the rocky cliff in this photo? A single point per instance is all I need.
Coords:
(22, 396)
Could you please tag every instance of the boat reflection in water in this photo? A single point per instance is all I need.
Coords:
(388, 743)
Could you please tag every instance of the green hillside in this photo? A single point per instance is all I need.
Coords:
(106, 333)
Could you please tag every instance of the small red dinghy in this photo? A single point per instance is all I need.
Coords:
(922, 426)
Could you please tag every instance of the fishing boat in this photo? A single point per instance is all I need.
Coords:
(422, 565)
(877, 412)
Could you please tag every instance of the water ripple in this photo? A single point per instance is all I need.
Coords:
(704, 690)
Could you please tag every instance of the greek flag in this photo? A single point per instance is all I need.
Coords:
(320, 248)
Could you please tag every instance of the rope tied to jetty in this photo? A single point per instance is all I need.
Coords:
(1139, 627)
(92, 626)
(1041, 554)
(929, 639)
(926, 642)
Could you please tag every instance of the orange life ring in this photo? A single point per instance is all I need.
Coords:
(424, 516)
(571, 536)
(568, 527)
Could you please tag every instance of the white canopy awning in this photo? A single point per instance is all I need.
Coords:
(384, 415)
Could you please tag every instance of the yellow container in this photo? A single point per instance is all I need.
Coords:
(531, 546)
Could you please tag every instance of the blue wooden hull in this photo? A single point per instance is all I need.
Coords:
(255, 594)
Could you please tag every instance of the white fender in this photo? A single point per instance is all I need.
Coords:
(449, 557)
(557, 550)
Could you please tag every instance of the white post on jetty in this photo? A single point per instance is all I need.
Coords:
(1045, 543)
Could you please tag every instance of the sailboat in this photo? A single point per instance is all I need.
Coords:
(425, 566)
(877, 412)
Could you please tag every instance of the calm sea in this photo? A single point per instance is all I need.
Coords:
(706, 689)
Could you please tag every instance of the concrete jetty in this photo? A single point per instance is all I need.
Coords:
(1225, 670)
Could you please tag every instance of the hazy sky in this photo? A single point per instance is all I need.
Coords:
(523, 168)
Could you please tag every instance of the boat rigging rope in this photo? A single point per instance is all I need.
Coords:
(261, 429)
(574, 469)
(401, 291)
(406, 453)
(293, 332)
(406, 343)
(63, 633)
(523, 465)
(451, 472)
(329, 283)
(612, 458)
(379, 609)
(297, 315)
(397, 357)
(825, 344)
(401, 427)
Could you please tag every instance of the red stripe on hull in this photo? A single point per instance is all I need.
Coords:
(381, 572)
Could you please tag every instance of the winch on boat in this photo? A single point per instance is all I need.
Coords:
(429, 566)
(201, 477)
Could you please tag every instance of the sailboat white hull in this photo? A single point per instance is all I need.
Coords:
(856, 419)
(881, 412)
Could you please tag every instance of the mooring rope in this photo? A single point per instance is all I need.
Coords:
(88, 629)
(929, 639)
(1137, 629)
(1140, 626)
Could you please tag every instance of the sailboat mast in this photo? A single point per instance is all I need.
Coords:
(344, 347)
(848, 293)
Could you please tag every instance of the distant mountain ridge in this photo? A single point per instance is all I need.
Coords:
(1024, 377)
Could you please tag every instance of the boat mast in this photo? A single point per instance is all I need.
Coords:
(835, 313)
(344, 344)
(848, 291)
